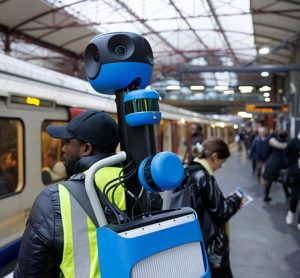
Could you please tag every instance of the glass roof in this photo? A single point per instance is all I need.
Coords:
(190, 32)
(187, 38)
(178, 31)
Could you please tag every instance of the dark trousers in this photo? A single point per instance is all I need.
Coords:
(269, 186)
(295, 196)
(223, 272)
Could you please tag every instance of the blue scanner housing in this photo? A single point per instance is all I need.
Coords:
(141, 108)
(118, 62)
(117, 76)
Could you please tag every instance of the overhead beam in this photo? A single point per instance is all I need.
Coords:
(216, 18)
(33, 40)
(291, 39)
(250, 69)
(155, 32)
(188, 24)
(51, 11)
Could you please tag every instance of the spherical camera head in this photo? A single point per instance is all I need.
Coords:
(118, 61)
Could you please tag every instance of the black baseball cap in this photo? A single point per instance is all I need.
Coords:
(94, 127)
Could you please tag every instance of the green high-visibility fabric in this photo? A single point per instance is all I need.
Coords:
(80, 252)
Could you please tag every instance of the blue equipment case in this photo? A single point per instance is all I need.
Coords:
(168, 244)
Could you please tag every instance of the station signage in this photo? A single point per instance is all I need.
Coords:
(274, 108)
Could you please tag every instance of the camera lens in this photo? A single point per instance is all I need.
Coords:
(120, 50)
(96, 56)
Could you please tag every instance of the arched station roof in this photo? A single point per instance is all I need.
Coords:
(187, 38)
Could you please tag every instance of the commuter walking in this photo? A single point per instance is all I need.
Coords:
(259, 151)
(60, 238)
(275, 162)
(196, 136)
(248, 132)
(213, 209)
(292, 155)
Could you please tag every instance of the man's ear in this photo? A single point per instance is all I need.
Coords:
(86, 149)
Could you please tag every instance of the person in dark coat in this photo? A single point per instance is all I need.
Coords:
(213, 209)
(260, 150)
(275, 161)
(292, 155)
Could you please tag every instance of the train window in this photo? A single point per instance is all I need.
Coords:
(157, 135)
(53, 168)
(166, 135)
(181, 139)
(11, 156)
(175, 138)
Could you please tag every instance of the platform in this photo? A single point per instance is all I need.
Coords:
(261, 244)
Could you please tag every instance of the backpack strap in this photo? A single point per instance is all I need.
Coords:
(77, 190)
(191, 170)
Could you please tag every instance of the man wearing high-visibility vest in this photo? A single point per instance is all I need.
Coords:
(60, 238)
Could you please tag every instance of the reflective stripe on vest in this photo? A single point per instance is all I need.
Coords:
(80, 252)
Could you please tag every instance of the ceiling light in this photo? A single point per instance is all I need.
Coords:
(267, 99)
(181, 121)
(246, 89)
(228, 92)
(266, 94)
(235, 126)
(173, 87)
(244, 114)
(221, 88)
(197, 88)
(245, 92)
(264, 74)
(265, 89)
(220, 124)
(264, 51)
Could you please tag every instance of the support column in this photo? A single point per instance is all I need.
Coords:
(7, 48)
(294, 96)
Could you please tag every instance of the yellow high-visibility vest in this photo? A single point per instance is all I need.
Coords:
(80, 251)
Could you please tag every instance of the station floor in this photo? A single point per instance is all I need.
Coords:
(261, 244)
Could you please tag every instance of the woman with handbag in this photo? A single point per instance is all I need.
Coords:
(213, 209)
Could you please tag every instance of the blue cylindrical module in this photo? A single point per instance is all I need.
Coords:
(141, 108)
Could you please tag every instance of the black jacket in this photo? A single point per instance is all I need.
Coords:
(42, 243)
(274, 163)
(292, 152)
(214, 210)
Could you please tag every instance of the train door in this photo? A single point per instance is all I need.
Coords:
(11, 156)
(158, 137)
(166, 135)
(182, 136)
